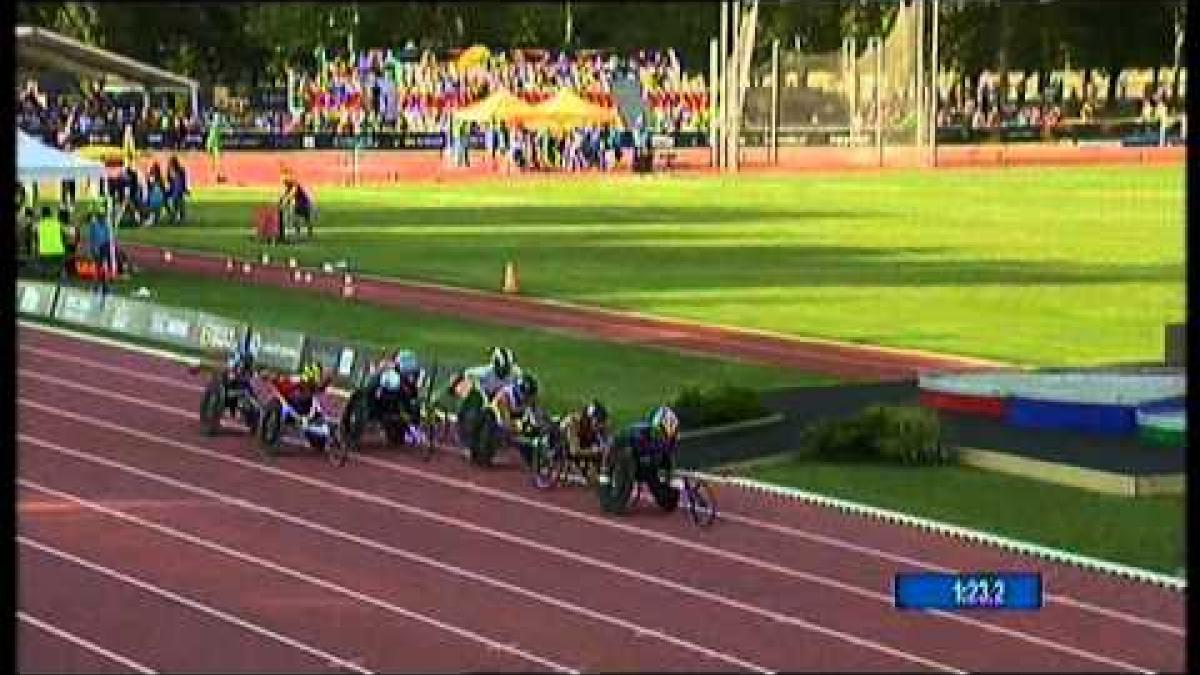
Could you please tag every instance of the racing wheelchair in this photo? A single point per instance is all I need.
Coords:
(319, 429)
(623, 475)
(389, 412)
(230, 392)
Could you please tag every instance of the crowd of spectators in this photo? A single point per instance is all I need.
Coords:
(587, 147)
(390, 90)
(66, 120)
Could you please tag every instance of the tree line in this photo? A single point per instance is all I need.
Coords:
(250, 44)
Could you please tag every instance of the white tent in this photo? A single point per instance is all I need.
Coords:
(37, 162)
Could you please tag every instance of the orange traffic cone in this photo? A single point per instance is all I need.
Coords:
(511, 283)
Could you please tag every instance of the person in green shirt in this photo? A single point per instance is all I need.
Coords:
(50, 246)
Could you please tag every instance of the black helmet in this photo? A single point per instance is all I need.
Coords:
(526, 388)
(596, 413)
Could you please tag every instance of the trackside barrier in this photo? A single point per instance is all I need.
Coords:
(36, 298)
(946, 529)
(278, 349)
(173, 325)
(348, 362)
(79, 306)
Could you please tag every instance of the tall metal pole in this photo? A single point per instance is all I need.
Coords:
(735, 83)
(714, 99)
(919, 7)
(774, 149)
(877, 46)
(724, 86)
(933, 87)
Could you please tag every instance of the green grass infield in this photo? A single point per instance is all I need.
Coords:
(1037, 266)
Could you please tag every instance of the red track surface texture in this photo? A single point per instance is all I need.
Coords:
(146, 546)
(844, 360)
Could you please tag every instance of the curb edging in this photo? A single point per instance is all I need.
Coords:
(753, 423)
(946, 529)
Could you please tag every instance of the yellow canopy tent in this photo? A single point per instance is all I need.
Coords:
(568, 109)
(472, 57)
(501, 105)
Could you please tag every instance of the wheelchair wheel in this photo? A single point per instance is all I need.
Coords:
(488, 443)
(354, 421)
(270, 429)
(665, 495)
(616, 481)
(393, 431)
(212, 406)
(335, 449)
(429, 442)
(701, 502)
(548, 466)
(250, 411)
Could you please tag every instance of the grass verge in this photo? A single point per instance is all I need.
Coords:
(629, 379)
(1147, 532)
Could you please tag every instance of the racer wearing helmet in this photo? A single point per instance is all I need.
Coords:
(477, 386)
(653, 439)
(515, 407)
(397, 382)
(587, 430)
(501, 370)
(299, 389)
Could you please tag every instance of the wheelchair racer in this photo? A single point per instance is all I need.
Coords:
(514, 408)
(653, 443)
(587, 431)
(300, 389)
(476, 387)
(396, 384)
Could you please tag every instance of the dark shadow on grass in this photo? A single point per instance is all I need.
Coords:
(241, 213)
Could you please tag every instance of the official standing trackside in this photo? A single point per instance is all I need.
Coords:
(51, 248)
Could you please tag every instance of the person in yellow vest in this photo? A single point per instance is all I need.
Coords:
(50, 246)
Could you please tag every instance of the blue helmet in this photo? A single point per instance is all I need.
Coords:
(405, 359)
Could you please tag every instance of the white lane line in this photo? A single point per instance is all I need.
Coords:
(882, 598)
(86, 644)
(173, 596)
(284, 570)
(486, 532)
(790, 531)
(536, 596)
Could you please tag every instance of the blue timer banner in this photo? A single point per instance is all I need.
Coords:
(1011, 591)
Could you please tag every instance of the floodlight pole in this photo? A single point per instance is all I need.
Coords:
(774, 148)
(919, 7)
(714, 91)
(724, 85)
(877, 45)
(933, 87)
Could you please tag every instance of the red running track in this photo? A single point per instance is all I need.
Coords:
(393, 564)
(839, 359)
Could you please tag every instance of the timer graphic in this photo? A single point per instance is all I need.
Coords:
(971, 591)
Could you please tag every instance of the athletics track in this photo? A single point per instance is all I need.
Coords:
(145, 546)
